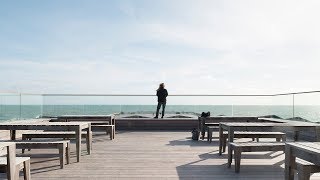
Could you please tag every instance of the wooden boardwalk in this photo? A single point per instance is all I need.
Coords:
(155, 155)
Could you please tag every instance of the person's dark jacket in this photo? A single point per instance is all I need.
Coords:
(162, 95)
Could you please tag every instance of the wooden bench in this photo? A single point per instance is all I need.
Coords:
(58, 134)
(20, 163)
(204, 122)
(210, 127)
(210, 130)
(305, 169)
(250, 134)
(62, 146)
(98, 122)
(110, 129)
(308, 152)
(211, 124)
(238, 148)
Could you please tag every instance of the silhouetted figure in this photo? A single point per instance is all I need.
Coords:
(162, 94)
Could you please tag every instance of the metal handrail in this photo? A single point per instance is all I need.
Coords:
(231, 95)
(152, 95)
(303, 92)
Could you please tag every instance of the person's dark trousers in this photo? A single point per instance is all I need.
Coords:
(163, 104)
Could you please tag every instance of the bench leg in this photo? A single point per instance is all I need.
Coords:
(62, 149)
(107, 131)
(290, 163)
(29, 140)
(16, 173)
(209, 135)
(26, 170)
(220, 140)
(304, 173)
(13, 134)
(114, 131)
(89, 142)
(283, 138)
(237, 159)
(23, 138)
(68, 153)
(257, 139)
(278, 139)
(252, 139)
(203, 132)
(111, 133)
(224, 144)
(78, 144)
(229, 155)
(296, 135)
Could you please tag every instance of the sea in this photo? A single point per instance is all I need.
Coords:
(25, 112)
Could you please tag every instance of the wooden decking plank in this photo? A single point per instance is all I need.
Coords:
(155, 155)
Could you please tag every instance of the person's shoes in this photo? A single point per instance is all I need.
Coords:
(162, 117)
(156, 117)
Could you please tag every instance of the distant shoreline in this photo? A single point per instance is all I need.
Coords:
(301, 113)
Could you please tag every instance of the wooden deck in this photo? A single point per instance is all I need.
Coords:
(155, 155)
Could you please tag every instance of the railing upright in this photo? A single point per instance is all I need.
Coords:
(293, 115)
(20, 106)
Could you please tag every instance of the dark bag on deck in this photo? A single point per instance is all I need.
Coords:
(195, 134)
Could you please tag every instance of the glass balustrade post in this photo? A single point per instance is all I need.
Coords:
(293, 106)
(41, 105)
(232, 110)
(20, 106)
(1, 107)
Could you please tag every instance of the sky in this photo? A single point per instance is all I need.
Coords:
(129, 47)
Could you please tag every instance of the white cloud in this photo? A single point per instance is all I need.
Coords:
(237, 47)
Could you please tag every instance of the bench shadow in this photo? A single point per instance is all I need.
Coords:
(101, 140)
(190, 142)
(45, 169)
(201, 170)
(215, 155)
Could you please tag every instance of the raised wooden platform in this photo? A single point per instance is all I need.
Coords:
(147, 122)
(164, 124)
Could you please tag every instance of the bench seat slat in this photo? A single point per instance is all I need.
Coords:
(54, 132)
(19, 160)
(257, 133)
(257, 144)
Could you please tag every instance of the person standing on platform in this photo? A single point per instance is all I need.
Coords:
(162, 94)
